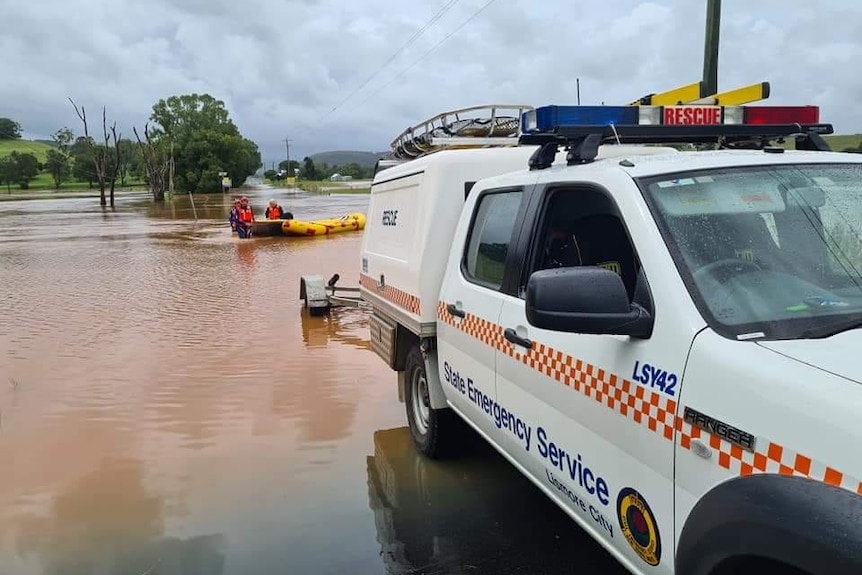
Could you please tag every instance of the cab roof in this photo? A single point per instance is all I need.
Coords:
(656, 164)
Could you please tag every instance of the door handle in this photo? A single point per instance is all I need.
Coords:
(511, 335)
(455, 310)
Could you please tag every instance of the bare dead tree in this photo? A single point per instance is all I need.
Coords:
(115, 168)
(156, 163)
(102, 155)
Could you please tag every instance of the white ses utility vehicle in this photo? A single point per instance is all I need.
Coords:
(665, 342)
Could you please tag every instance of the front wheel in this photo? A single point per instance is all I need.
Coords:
(429, 427)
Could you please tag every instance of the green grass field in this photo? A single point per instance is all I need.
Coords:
(38, 149)
(44, 181)
(839, 143)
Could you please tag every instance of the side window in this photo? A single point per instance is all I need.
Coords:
(489, 236)
(582, 227)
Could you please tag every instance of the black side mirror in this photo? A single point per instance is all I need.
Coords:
(584, 300)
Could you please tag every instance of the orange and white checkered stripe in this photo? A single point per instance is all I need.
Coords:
(771, 458)
(402, 299)
(649, 409)
(485, 331)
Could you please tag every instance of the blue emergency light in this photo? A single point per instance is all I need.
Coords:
(546, 118)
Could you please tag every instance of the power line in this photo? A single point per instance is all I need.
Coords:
(437, 45)
(406, 45)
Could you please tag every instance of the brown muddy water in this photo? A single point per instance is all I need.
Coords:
(166, 407)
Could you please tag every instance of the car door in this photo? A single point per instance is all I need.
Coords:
(601, 408)
(469, 309)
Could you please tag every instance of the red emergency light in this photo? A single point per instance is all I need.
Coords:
(781, 115)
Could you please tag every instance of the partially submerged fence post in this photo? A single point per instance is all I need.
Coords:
(192, 198)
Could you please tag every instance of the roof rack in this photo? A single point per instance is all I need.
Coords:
(583, 142)
(474, 127)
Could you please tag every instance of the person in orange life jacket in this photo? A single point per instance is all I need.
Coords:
(246, 219)
(274, 211)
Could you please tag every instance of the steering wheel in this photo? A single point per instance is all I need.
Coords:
(731, 265)
(727, 263)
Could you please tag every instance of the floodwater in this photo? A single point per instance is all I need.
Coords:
(167, 407)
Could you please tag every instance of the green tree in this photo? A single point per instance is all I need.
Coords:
(9, 129)
(8, 172)
(129, 159)
(205, 141)
(57, 165)
(352, 169)
(309, 171)
(64, 138)
(82, 160)
(23, 168)
(58, 162)
(289, 167)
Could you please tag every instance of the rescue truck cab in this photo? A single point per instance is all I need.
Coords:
(661, 340)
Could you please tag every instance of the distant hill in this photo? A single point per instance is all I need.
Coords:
(38, 149)
(340, 158)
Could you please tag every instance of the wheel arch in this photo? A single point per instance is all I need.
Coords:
(804, 524)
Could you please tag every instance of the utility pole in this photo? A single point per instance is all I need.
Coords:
(287, 149)
(710, 50)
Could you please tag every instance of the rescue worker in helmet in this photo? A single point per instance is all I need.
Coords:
(246, 218)
(233, 217)
(274, 211)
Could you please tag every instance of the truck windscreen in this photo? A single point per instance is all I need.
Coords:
(769, 252)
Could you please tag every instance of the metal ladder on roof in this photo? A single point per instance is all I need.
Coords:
(473, 127)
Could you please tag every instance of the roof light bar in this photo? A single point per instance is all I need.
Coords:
(550, 119)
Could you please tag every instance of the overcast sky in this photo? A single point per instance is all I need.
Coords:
(282, 66)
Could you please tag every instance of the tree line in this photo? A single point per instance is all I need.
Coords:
(308, 170)
(189, 143)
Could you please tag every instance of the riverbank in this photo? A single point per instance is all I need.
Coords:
(324, 187)
(65, 194)
(18, 195)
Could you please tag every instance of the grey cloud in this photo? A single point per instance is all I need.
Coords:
(281, 67)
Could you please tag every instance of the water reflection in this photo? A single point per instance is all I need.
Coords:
(246, 254)
(107, 523)
(206, 207)
(473, 515)
(344, 325)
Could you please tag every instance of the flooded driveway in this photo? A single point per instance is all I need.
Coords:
(166, 407)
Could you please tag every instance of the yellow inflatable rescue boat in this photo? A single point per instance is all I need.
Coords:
(347, 223)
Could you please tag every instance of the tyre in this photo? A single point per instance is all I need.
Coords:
(430, 428)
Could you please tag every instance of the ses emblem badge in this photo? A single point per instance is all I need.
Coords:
(639, 525)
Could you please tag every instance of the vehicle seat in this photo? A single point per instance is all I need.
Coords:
(707, 239)
(602, 241)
